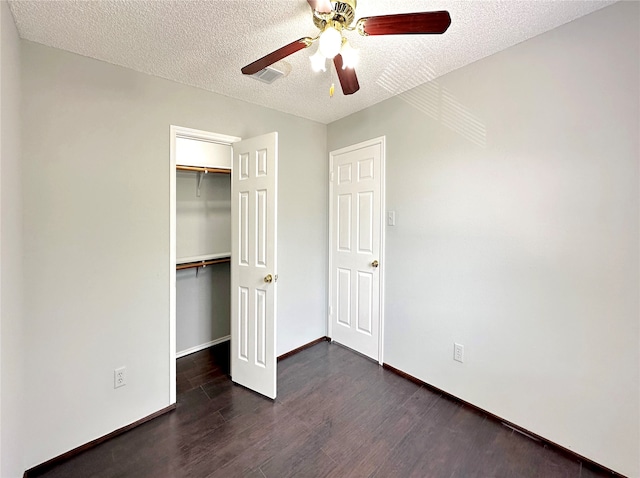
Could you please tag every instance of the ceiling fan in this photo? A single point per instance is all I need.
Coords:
(332, 17)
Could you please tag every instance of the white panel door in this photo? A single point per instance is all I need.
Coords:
(356, 186)
(253, 263)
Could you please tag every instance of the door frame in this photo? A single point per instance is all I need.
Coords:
(381, 140)
(174, 132)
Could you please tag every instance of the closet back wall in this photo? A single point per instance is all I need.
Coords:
(96, 237)
(203, 223)
(203, 226)
(203, 307)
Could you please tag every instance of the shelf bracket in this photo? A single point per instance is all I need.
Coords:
(203, 265)
(200, 178)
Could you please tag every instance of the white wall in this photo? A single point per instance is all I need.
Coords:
(515, 181)
(96, 212)
(11, 315)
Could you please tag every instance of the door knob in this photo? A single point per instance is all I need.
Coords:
(375, 264)
(268, 278)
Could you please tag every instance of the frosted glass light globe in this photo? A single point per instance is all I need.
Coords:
(349, 56)
(330, 42)
(318, 61)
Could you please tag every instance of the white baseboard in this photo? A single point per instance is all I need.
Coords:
(200, 347)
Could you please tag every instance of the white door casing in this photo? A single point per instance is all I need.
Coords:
(356, 247)
(253, 263)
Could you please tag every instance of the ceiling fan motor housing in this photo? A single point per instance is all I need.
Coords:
(343, 12)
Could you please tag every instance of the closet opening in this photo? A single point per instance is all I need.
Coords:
(200, 255)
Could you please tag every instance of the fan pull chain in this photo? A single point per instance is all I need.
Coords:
(332, 88)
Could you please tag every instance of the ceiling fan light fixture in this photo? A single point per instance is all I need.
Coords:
(318, 61)
(349, 55)
(330, 42)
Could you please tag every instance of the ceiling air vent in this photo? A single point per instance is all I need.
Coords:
(268, 75)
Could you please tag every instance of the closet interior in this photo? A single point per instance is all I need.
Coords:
(203, 244)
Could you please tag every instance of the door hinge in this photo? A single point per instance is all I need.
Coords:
(331, 176)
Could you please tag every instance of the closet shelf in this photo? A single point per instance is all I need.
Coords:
(202, 257)
(192, 265)
(202, 169)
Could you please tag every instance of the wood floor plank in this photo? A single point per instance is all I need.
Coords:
(274, 439)
(300, 458)
(421, 401)
(222, 446)
(412, 456)
(360, 453)
(527, 456)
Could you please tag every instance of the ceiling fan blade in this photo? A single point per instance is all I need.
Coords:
(405, 23)
(348, 78)
(276, 55)
(320, 6)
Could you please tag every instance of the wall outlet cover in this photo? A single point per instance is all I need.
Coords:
(458, 352)
(120, 377)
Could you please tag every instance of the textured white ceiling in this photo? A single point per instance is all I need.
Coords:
(205, 43)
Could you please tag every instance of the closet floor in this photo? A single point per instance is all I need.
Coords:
(337, 415)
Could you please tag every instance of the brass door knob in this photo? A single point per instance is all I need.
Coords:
(268, 278)
(375, 264)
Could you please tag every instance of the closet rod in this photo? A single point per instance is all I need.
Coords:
(203, 169)
(192, 265)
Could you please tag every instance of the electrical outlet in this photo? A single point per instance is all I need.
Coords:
(458, 352)
(119, 377)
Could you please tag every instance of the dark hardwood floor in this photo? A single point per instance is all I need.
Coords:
(337, 415)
